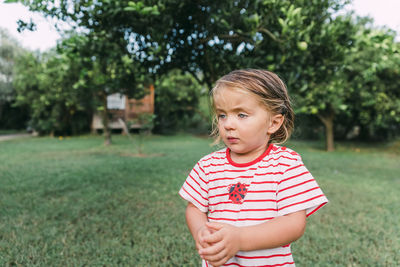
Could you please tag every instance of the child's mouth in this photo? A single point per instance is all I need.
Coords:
(233, 139)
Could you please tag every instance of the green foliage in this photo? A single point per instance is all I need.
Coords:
(126, 44)
(74, 202)
(146, 122)
(177, 102)
(371, 73)
(46, 85)
(11, 118)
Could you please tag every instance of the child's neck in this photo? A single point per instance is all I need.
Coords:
(247, 157)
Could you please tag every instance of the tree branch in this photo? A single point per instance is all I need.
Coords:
(228, 37)
(195, 76)
(270, 34)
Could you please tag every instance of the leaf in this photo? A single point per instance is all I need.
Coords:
(296, 11)
(304, 88)
(147, 10)
(155, 12)
(129, 8)
(282, 22)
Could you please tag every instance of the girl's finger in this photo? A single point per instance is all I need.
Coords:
(220, 262)
(212, 250)
(214, 225)
(213, 238)
(218, 258)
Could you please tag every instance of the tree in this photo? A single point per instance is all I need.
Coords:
(319, 87)
(9, 51)
(176, 101)
(306, 43)
(106, 68)
(210, 38)
(102, 46)
(372, 73)
(46, 84)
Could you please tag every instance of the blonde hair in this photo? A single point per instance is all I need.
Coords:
(271, 91)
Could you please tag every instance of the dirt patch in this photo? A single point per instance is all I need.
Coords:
(13, 136)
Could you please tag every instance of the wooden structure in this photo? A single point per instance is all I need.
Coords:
(124, 110)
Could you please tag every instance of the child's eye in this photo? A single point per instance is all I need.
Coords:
(221, 116)
(241, 115)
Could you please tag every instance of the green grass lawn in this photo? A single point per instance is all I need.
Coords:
(74, 202)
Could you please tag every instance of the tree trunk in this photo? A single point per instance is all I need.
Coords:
(329, 138)
(106, 130)
(1, 110)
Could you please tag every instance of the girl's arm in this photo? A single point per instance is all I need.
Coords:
(275, 233)
(228, 240)
(196, 221)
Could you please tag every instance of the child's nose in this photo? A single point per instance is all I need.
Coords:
(229, 123)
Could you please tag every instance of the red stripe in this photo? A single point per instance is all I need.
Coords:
(194, 198)
(262, 191)
(295, 167)
(279, 158)
(201, 168)
(311, 189)
(264, 257)
(247, 185)
(275, 265)
(242, 210)
(246, 200)
(215, 165)
(213, 158)
(218, 203)
(230, 178)
(194, 180)
(260, 200)
(265, 182)
(301, 202)
(251, 169)
(255, 191)
(219, 195)
(198, 175)
(317, 208)
(289, 187)
(227, 163)
(281, 151)
(272, 165)
(222, 186)
(195, 191)
(267, 173)
(292, 177)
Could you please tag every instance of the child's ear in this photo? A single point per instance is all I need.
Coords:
(275, 123)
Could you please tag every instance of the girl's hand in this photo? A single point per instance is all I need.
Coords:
(225, 243)
(201, 234)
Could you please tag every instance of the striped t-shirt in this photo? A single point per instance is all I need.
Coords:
(275, 184)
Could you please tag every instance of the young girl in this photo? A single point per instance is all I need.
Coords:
(249, 201)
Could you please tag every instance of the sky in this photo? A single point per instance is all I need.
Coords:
(384, 12)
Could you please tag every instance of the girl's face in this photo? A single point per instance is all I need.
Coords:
(244, 124)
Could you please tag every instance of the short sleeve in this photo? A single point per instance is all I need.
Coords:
(298, 190)
(195, 188)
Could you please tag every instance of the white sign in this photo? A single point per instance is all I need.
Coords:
(116, 101)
